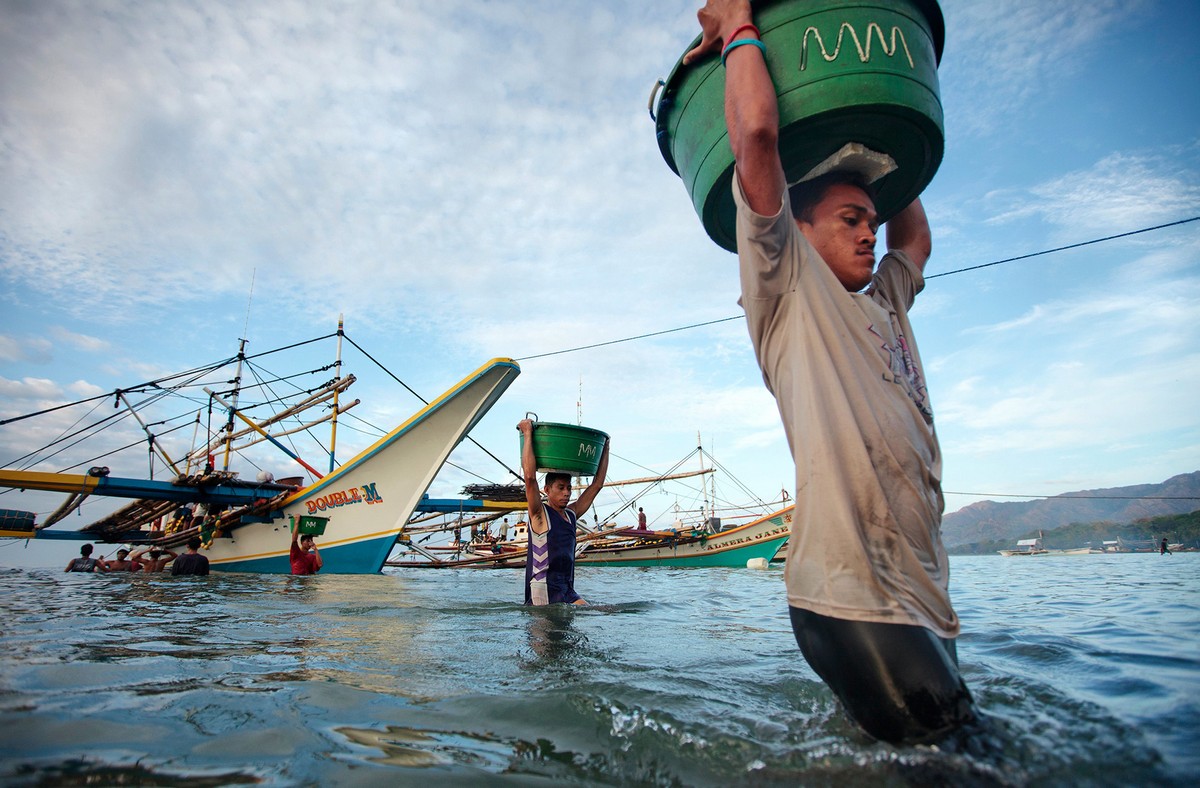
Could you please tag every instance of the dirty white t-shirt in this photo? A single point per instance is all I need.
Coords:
(866, 540)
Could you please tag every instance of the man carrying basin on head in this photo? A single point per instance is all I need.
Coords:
(304, 555)
(867, 574)
(550, 563)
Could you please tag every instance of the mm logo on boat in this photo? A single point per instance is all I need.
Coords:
(364, 494)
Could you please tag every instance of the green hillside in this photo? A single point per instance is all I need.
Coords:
(1181, 528)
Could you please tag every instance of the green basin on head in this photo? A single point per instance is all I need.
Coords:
(566, 448)
(314, 526)
(844, 71)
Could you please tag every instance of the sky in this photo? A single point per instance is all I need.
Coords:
(469, 180)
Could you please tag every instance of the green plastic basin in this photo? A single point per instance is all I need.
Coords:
(566, 448)
(308, 524)
(844, 71)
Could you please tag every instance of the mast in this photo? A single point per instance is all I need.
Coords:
(195, 433)
(233, 402)
(337, 375)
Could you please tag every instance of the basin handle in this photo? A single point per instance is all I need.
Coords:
(654, 94)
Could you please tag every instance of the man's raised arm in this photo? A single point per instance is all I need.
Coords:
(751, 109)
(584, 502)
(908, 231)
(533, 496)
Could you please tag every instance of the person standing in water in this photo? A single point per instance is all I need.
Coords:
(192, 562)
(867, 575)
(122, 563)
(85, 562)
(156, 560)
(304, 555)
(550, 565)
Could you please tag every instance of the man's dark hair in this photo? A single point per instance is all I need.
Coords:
(554, 476)
(194, 543)
(805, 195)
(86, 549)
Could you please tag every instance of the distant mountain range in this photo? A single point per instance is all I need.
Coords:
(989, 520)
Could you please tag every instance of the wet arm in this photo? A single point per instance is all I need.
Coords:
(584, 502)
(751, 108)
(533, 496)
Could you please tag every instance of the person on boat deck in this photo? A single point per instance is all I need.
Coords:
(181, 520)
(306, 558)
(550, 564)
(122, 563)
(157, 559)
(85, 562)
(503, 536)
(867, 575)
(191, 562)
(641, 519)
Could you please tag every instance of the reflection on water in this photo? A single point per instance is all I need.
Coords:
(1086, 669)
(551, 635)
(84, 772)
(400, 746)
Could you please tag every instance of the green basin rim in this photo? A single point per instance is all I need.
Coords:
(930, 8)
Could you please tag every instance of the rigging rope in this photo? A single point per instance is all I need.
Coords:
(138, 388)
(503, 464)
(930, 276)
(1064, 248)
(1073, 497)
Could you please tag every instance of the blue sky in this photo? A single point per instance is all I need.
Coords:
(467, 180)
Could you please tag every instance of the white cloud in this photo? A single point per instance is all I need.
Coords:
(341, 148)
(82, 342)
(29, 389)
(1005, 55)
(81, 389)
(1095, 377)
(34, 349)
(1122, 192)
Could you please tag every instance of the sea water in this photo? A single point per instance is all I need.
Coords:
(1087, 668)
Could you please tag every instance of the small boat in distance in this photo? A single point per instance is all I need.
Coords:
(1026, 547)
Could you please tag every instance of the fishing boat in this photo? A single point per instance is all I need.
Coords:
(701, 546)
(704, 541)
(734, 547)
(359, 508)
